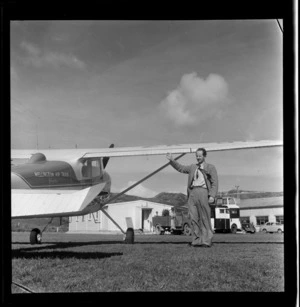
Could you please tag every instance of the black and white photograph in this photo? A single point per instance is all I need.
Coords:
(147, 156)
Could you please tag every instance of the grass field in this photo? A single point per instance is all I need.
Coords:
(101, 263)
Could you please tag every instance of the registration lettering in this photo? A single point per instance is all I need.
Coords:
(51, 174)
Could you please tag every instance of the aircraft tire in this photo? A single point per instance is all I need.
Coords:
(35, 236)
(129, 237)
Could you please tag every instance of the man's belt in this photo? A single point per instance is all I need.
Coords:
(199, 186)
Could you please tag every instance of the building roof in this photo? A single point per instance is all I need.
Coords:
(137, 201)
(267, 202)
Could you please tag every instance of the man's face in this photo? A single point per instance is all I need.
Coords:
(199, 156)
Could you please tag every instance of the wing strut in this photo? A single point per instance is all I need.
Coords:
(131, 187)
(140, 181)
(113, 221)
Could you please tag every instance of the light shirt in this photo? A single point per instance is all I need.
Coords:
(199, 180)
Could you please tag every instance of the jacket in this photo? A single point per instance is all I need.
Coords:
(209, 172)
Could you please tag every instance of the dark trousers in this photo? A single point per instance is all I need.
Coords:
(199, 211)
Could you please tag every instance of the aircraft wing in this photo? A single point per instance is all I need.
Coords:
(72, 154)
(179, 149)
(29, 203)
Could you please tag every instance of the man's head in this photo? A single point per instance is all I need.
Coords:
(200, 155)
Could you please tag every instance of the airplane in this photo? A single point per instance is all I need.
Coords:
(74, 182)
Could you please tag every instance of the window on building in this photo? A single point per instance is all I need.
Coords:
(279, 219)
(245, 219)
(90, 216)
(76, 218)
(83, 218)
(260, 220)
(70, 219)
(97, 215)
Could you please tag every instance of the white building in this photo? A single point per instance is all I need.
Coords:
(136, 214)
(261, 210)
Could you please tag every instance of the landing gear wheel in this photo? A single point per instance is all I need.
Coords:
(129, 237)
(187, 230)
(35, 236)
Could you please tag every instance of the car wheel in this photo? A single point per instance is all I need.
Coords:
(279, 231)
(159, 230)
(233, 228)
(187, 230)
(264, 230)
(35, 236)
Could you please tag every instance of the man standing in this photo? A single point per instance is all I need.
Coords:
(201, 190)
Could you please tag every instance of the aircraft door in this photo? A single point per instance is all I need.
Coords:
(97, 173)
(92, 170)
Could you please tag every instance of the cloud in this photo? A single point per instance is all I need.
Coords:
(37, 58)
(139, 190)
(268, 124)
(195, 99)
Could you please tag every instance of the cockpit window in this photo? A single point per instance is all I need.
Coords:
(96, 169)
(85, 170)
(91, 168)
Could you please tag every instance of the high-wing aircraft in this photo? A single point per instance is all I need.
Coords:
(73, 182)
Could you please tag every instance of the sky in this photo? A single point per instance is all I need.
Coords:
(89, 84)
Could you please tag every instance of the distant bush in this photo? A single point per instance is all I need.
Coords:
(165, 212)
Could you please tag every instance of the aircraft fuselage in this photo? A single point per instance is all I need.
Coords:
(38, 173)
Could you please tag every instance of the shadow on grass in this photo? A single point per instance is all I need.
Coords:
(61, 245)
(50, 249)
(66, 244)
(29, 254)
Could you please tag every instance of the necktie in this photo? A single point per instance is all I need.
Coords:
(198, 170)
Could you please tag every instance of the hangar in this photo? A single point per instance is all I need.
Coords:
(136, 214)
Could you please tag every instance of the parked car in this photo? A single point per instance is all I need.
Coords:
(272, 227)
(248, 227)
